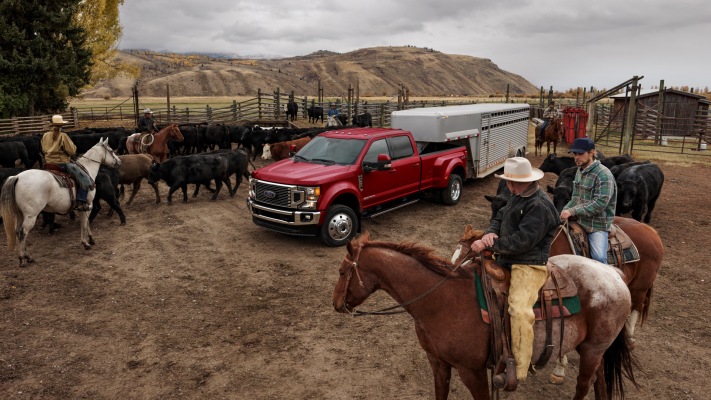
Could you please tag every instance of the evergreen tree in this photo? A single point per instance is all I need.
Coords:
(43, 56)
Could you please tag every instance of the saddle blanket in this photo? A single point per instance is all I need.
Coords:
(571, 305)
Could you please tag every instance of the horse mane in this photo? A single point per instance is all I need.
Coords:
(422, 254)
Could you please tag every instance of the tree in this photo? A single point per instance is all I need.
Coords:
(100, 21)
(43, 56)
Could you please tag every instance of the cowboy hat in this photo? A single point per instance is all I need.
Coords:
(147, 111)
(58, 120)
(518, 169)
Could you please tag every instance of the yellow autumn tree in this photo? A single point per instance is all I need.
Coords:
(100, 20)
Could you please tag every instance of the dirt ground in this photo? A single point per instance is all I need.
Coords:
(195, 301)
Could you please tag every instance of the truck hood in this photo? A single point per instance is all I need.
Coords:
(300, 173)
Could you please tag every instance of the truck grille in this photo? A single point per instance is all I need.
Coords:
(276, 195)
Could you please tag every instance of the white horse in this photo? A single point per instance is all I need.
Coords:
(32, 191)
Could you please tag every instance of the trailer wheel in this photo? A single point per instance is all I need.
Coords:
(453, 192)
(340, 226)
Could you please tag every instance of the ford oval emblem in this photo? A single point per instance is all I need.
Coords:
(269, 194)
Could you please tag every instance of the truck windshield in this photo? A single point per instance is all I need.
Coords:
(325, 150)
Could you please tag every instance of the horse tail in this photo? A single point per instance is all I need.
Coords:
(619, 362)
(11, 214)
(645, 306)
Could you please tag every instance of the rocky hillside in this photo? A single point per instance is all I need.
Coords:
(379, 72)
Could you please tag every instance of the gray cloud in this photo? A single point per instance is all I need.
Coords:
(557, 43)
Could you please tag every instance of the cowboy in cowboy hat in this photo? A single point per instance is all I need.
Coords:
(147, 124)
(59, 149)
(521, 234)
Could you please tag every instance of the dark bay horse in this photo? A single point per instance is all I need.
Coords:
(638, 276)
(158, 148)
(450, 328)
(552, 134)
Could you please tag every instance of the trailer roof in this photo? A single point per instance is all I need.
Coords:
(462, 110)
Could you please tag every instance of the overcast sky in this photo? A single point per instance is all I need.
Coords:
(559, 43)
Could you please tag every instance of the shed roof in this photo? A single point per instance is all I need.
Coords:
(652, 92)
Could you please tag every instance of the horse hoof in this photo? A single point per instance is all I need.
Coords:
(556, 380)
(123, 223)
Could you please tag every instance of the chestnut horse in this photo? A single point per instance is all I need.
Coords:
(452, 332)
(158, 148)
(638, 276)
(552, 134)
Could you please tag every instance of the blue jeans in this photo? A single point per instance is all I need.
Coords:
(598, 246)
(542, 129)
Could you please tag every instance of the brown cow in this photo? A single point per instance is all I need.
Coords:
(282, 150)
(134, 167)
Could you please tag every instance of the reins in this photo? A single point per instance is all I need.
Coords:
(388, 310)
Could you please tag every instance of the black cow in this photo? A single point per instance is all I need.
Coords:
(556, 164)
(236, 132)
(363, 120)
(107, 181)
(237, 164)
(199, 169)
(292, 109)
(638, 187)
(617, 169)
(11, 152)
(610, 162)
(343, 119)
(217, 135)
(32, 145)
(503, 194)
(563, 190)
(254, 140)
(315, 113)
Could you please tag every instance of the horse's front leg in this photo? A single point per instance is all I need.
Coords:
(557, 377)
(442, 373)
(86, 237)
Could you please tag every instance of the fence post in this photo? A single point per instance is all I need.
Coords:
(259, 104)
(208, 112)
(187, 114)
(507, 93)
(234, 110)
(660, 113)
(628, 131)
(382, 114)
(277, 102)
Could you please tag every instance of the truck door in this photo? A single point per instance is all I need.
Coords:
(402, 179)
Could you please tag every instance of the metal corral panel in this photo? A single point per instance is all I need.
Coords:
(492, 132)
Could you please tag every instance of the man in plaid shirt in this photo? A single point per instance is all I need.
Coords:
(549, 114)
(594, 197)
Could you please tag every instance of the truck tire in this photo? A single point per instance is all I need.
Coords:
(453, 192)
(340, 226)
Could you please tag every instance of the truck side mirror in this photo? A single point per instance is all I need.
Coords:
(383, 164)
(292, 150)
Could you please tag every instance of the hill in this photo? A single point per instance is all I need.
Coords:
(379, 72)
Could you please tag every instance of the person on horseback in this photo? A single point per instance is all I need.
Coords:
(333, 114)
(594, 197)
(521, 234)
(147, 124)
(59, 149)
(549, 115)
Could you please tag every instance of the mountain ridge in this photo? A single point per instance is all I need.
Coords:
(378, 71)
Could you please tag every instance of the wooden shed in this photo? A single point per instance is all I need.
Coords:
(682, 112)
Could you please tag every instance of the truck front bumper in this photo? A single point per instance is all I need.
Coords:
(285, 221)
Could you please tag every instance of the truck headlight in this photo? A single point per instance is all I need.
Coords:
(252, 188)
(311, 195)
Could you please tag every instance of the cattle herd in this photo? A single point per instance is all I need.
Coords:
(204, 156)
(639, 183)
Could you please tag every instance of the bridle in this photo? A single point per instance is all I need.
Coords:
(99, 162)
(387, 310)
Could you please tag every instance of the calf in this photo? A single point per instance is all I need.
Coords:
(556, 164)
(199, 169)
(315, 113)
(638, 187)
(134, 168)
(503, 194)
(292, 109)
(363, 120)
(10, 152)
(563, 190)
(254, 140)
(283, 150)
(106, 189)
(217, 135)
(609, 162)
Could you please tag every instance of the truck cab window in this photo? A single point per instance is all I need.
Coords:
(402, 147)
(378, 147)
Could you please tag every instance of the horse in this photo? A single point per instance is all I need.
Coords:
(552, 134)
(452, 332)
(30, 192)
(158, 148)
(639, 276)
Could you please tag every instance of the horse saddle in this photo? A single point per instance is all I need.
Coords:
(620, 249)
(557, 299)
(63, 179)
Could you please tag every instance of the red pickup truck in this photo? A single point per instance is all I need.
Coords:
(345, 175)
